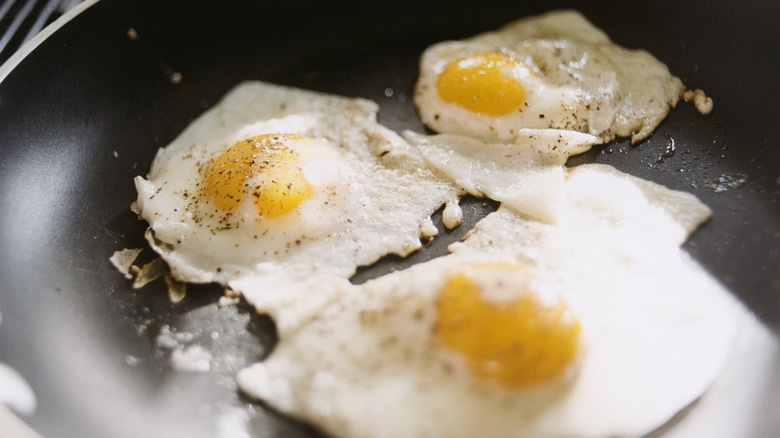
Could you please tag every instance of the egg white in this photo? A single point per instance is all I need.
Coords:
(582, 81)
(526, 175)
(657, 330)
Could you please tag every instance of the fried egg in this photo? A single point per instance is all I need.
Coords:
(526, 175)
(555, 70)
(286, 182)
(526, 329)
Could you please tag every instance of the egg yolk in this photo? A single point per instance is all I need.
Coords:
(262, 169)
(517, 343)
(480, 84)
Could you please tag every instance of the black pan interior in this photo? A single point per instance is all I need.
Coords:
(86, 111)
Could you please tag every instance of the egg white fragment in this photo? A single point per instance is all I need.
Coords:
(554, 70)
(526, 175)
(604, 209)
(656, 329)
(628, 207)
(364, 191)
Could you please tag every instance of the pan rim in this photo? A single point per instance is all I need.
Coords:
(9, 65)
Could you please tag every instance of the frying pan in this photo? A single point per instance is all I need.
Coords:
(86, 109)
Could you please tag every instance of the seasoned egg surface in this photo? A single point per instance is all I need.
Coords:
(526, 329)
(286, 181)
(526, 175)
(555, 70)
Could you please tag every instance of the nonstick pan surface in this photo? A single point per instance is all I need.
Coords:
(86, 110)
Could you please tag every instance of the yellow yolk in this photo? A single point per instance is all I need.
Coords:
(261, 169)
(480, 84)
(520, 342)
